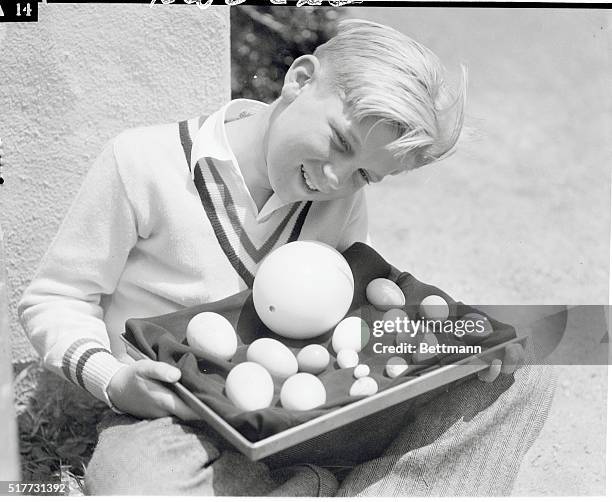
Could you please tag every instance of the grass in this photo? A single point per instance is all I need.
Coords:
(57, 427)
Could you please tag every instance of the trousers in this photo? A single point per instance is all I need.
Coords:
(466, 442)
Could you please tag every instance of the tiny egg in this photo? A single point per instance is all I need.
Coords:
(347, 358)
(361, 370)
(396, 366)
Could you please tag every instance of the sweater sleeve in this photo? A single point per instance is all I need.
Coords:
(61, 309)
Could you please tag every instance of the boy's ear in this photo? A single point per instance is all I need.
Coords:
(303, 71)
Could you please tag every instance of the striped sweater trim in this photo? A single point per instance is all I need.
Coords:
(228, 229)
(228, 202)
(69, 366)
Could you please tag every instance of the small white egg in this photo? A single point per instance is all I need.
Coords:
(477, 326)
(384, 294)
(365, 386)
(361, 370)
(351, 333)
(302, 392)
(347, 358)
(212, 334)
(434, 307)
(313, 359)
(396, 366)
(274, 356)
(249, 386)
(398, 319)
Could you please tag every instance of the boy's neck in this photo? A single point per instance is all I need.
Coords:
(247, 139)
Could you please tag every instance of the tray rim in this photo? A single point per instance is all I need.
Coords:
(425, 382)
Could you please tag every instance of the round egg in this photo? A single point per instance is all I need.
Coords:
(347, 358)
(303, 289)
(351, 333)
(434, 307)
(365, 386)
(398, 319)
(422, 354)
(212, 334)
(249, 386)
(396, 366)
(384, 294)
(274, 356)
(302, 392)
(313, 359)
(361, 370)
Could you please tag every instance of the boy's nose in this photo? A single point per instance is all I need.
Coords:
(331, 177)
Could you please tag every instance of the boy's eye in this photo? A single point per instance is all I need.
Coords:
(364, 175)
(345, 146)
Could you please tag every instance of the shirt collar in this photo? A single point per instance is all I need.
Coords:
(211, 141)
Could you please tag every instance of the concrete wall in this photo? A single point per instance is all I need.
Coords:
(9, 463)
(71, 82)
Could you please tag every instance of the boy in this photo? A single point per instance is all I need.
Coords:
(170, 217)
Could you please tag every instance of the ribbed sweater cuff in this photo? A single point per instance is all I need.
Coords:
(91, 366)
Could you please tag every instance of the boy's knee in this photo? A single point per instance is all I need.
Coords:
(149, 457)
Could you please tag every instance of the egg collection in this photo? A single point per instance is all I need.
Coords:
(288, 305)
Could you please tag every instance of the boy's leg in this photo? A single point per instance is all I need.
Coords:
(469, 441)
(165, 456)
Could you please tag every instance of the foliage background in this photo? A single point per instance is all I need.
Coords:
(266, 40)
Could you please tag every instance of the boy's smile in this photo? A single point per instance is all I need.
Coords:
(316, 150)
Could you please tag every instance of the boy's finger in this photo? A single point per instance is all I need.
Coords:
(489, 374)
(177, 407)
(513, 358)
(158, 371)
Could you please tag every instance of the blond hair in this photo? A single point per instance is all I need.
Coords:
(387, 75)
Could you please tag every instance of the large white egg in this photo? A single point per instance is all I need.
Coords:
(212, 334)
(313, 359)
(274, 356)
(249, 386)
(302, 392)
(352, 333)
(303, 289)
(384, 294)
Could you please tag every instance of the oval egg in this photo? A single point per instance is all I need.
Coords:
(365, 386)
(423, 356)
(274, 356)
(347, 358)
(395, 366)
(384, 294)
(434, 307)
(302, 392)
(249, 386)
(212, 334)
(352, 333)
(313, 359)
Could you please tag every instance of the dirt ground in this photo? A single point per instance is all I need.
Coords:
(520, 214)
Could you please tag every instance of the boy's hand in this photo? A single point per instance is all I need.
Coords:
(136, 389)
(513, 357)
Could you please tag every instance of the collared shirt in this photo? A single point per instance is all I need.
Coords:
(211, 141)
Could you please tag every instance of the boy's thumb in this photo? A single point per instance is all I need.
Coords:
(160, 371)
